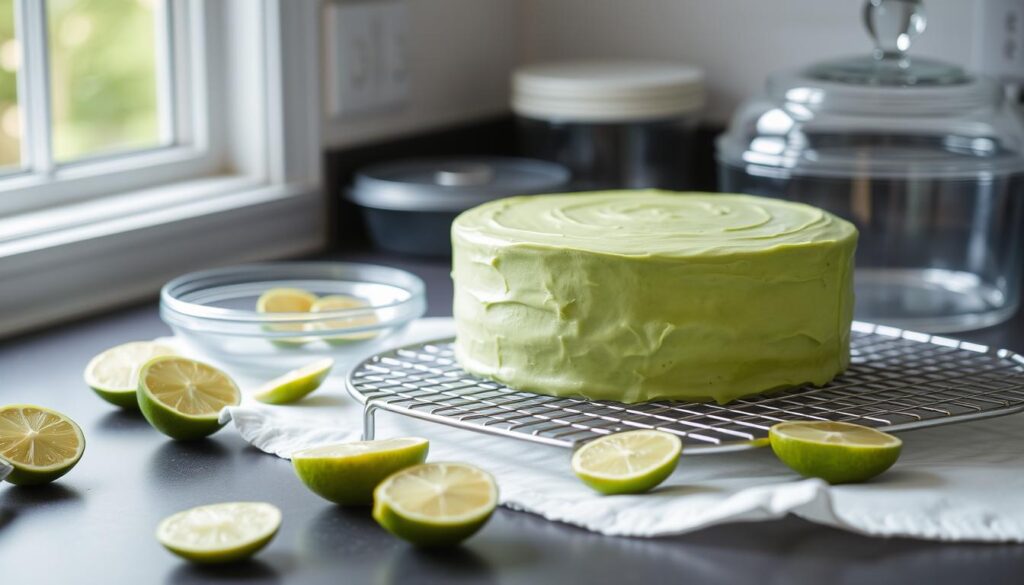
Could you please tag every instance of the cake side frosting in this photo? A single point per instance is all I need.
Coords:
(635, 296)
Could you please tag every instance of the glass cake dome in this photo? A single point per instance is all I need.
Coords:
(925, 158)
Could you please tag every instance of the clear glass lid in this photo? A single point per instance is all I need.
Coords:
(882, 114)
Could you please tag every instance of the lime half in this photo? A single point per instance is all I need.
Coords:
(182, 398)
(220, 533)
(286, 300)
(435, 504)
(39, 444)
(296, 384)
(347, 473)
(837, 452)
(114, 374)
(632, 462)
(340, 303)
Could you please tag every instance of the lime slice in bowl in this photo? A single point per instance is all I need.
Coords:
(632, 462)
(114, 374)
(347, 473)
(837, 452)
(220, 533)
(296, 384)
(286, 300)
(39, 444)
(435, 504)
(182, 398)
(341, 303)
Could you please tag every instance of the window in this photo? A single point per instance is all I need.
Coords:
(115, 89)
(143, 138)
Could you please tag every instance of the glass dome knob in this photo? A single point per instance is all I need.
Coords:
(893, 24)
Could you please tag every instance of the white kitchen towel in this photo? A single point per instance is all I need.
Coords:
(961, 482)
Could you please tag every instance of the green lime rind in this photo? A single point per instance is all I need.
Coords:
(174, 424)
(427, 535)
(639, 482)
(229, 555)
(125, 399)
(836, 463)
(225, 554)
(295, 385)
(431, 532)
(350, 480)
(29, 475)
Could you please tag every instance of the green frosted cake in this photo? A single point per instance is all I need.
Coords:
(644, 295)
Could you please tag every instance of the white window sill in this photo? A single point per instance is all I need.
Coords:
(91, 256)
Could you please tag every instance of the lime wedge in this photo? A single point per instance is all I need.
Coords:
(286, 300)
(837, 452)
(114, 374)
(39, 444)
(435, 504)
(296, 384)
(220, 533)
(632, 462)
(340, 303)
(347, 473)
(182, 398)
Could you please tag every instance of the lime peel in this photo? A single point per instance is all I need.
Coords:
(435, 504)
(182, 398)
(296, 384)
(220, 533)
(114, 373)
(348, 473)
(631, 462)
(837, 452)
(39, 444)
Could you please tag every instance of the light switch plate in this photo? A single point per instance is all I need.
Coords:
(367, 56)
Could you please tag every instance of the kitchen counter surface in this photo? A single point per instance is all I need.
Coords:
(96, 525)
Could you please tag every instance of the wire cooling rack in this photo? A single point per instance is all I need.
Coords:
(897, 380)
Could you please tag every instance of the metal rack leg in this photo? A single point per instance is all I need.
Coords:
(368, 420)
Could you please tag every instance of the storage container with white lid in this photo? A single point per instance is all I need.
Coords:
(927, 159)
(613, 123)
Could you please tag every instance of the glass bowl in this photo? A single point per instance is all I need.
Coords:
(214, 312)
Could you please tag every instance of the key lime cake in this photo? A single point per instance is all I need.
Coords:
(644, 295)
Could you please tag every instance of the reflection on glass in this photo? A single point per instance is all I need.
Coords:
(103, 76)
(10, 62)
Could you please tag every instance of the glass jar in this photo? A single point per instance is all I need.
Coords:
(925, 158)
(614, 124)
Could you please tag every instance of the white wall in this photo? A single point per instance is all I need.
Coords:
(737, 42)
(461, 54)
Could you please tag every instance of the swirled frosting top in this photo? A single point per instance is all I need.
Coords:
(650, 223)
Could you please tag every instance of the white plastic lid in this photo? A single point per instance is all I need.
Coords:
(606, 91)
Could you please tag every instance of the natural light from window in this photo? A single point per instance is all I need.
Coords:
(103, 76)
(10, 116)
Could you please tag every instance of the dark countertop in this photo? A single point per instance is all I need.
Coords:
(96, 525)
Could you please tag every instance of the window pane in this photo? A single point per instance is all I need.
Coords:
(10, 61)
(103, 76)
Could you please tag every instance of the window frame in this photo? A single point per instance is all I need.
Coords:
(186, 79)
(256, 194)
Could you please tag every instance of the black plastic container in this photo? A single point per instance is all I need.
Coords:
(409, 205)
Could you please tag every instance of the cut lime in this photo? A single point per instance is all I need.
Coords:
(39, 444)
(220, 533)
(286, 300)
(347, 473)
(296, 384)
(837, 452)
(435, 504)
(182, 398)
(341, 303)
(114, 374)
(632, 462)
